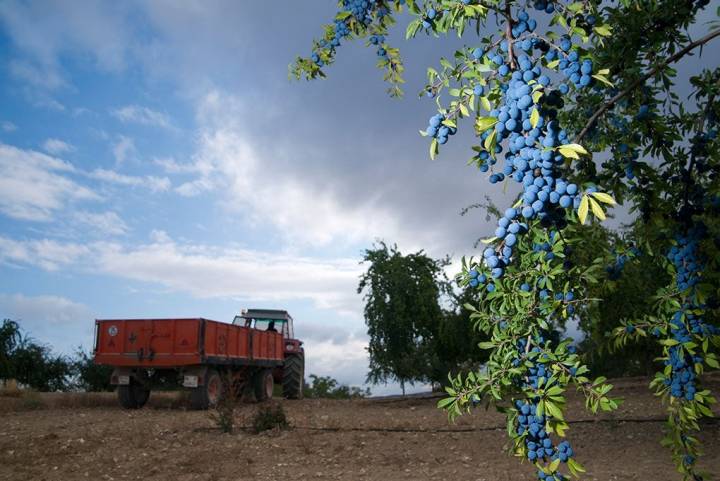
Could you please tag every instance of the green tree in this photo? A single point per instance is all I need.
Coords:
(402, 312)
(30, 363)
(90, 377)
(326, 387)
(9, 338)
(577, 102)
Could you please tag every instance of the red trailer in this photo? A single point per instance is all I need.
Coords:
(256, 350)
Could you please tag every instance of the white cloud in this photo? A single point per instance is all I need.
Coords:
(33, 186)
(46, 254)
(46, 78)
(62, 323)
(57, 146)
(302, 210)
(124, 149)
(103, 223)
(201, 270)
(8, 126)
(155, 184)
(142, 115)
(206, 272)
(171, 166)
(44, 32)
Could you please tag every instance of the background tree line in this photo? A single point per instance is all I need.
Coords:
(35, 366)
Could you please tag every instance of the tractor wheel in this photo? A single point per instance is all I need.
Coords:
(263, 385)
(133, 396)
(293, 377)
(208, 395)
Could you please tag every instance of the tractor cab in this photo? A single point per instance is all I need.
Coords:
(292, 373)
(267, 319)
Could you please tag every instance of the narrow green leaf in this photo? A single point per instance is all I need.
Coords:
(603, 197)
(534, 118)
(596, 209)
(583, 209)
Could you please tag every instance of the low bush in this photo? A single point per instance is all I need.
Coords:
(270, 416)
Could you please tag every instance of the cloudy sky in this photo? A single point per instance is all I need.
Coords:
(156, 161)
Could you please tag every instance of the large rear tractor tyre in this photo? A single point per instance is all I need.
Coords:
(208, 395)
(263, 385)
(133, 396)
(293, 377)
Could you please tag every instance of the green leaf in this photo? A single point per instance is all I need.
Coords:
(603, 80)
(553, 410)
(490, 143)
(484, 123)
(486, 345)
(434, 149)
(603, 197)
(534, 118)
(485, 103)
(603, 30)
(553, 64)
(567, 153)
(575, 466)
(575, 148)
(583, 209)
(596, 209)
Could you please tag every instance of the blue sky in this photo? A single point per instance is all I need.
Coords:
(155, 160)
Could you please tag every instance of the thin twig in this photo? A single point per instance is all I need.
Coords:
(508, 34)
(633, 85)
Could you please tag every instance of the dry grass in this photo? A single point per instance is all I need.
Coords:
(25, 400)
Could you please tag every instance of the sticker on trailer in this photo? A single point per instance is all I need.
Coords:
(112, 330)
(123, 380)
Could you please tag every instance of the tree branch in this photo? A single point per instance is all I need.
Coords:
(508, 34)
(642, 79)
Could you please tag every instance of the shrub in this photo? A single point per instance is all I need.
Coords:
(326, 387)
(268, 417)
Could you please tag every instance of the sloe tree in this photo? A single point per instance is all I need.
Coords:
(558, 80)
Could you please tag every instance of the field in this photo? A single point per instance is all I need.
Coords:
(65, 437)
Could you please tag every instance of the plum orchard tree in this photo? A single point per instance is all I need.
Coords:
(556, 81)
(418, 327)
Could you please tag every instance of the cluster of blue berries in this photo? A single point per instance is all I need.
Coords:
(539, 445)
(437, 130)
(615, 270)
(362, 11)
(685, 324)
(545, 5)
(628, 159)
(528, 127)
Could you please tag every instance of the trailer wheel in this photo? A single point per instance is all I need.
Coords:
(293, 377)
(208, 395)
(263, 385)
(133, 396)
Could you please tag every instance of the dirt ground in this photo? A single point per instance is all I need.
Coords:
(349, 440)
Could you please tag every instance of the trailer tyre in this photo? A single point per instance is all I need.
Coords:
(207, 395)
(293, 377)
(263, 385)
(133, 396)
